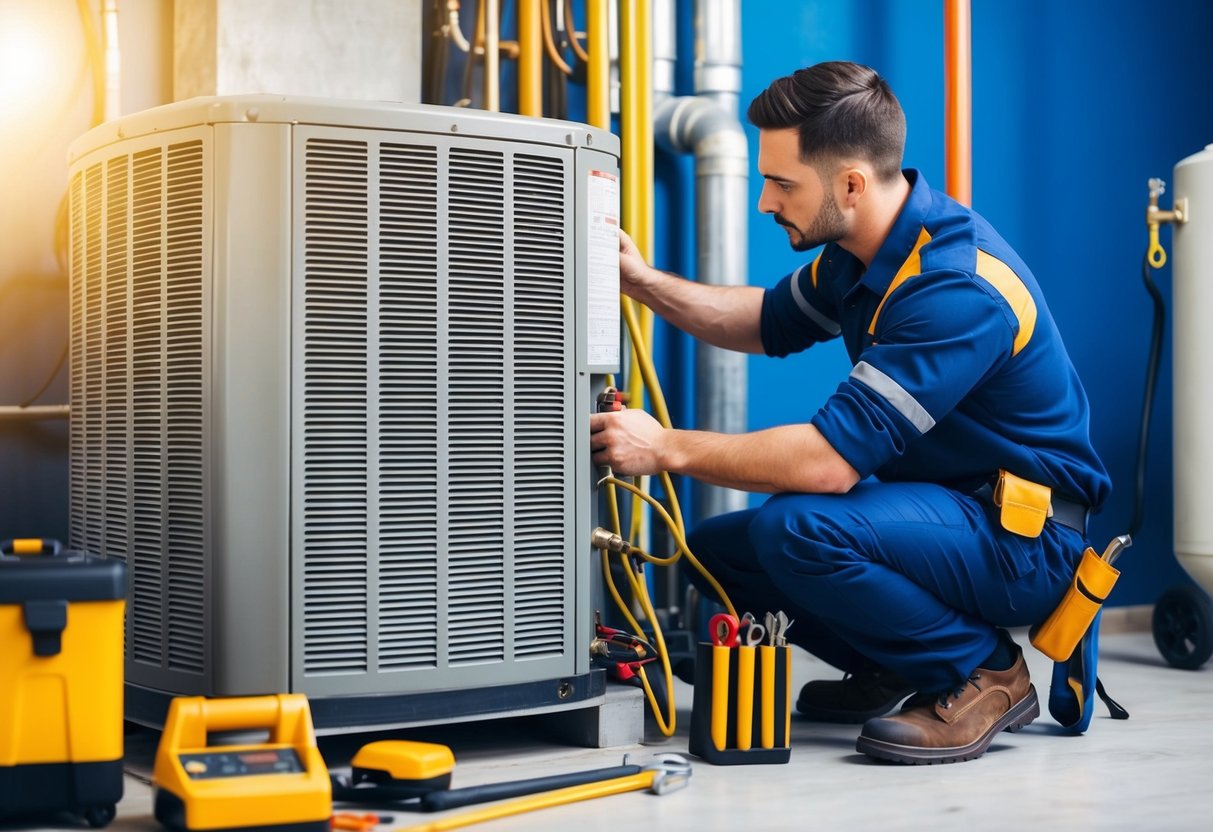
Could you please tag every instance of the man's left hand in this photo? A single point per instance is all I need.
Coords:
(629, 441)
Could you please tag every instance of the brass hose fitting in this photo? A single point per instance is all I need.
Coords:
(1156, 255)
(600, 538)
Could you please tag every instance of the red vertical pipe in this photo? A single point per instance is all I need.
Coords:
(958, 99)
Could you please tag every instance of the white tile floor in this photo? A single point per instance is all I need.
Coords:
(1153, 772)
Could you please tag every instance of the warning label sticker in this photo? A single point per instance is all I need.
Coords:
(602, 330)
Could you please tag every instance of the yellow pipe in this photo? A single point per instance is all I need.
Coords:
(492, 56)
(636, 118)
(598, 111)
(637, 122)
(530, 58)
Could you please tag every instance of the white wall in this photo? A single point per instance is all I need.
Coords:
(350, 49)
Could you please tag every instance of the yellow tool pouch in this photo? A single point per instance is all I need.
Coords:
(1025, 505)
(1060, 633)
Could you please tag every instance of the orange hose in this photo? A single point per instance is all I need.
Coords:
(958, 99)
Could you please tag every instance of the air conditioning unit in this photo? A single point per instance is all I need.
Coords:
(332, 365)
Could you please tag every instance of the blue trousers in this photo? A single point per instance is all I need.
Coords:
(912, 577)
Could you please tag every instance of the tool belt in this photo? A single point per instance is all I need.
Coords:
(1026, 505)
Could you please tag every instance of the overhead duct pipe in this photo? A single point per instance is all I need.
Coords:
(707, 125)
(718, 52)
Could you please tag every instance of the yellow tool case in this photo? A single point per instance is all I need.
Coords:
(61, 632)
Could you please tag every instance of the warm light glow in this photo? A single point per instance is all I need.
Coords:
(41, 58)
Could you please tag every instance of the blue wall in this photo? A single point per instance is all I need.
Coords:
(1070, 117)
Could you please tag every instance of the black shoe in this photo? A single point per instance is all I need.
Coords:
(857, 697)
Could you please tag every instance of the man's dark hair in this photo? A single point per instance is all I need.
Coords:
(840, 109)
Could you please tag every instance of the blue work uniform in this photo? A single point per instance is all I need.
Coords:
(959, 371)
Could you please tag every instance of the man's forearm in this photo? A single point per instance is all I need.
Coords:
(787, 458)
(724, 316)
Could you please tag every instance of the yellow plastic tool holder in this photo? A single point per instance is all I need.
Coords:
(281, 784)
(742, 712)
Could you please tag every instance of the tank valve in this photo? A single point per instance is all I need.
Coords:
(1155, 216)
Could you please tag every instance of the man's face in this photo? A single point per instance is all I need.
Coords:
(794, 193)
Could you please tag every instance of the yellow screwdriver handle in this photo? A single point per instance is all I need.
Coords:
(546, 800)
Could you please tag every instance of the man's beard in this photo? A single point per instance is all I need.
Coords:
(827, 227)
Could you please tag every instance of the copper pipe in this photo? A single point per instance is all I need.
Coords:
(958, 99)
(33, 413)
(452, 29)
(530, 58)
(549, 41)
(571, 22)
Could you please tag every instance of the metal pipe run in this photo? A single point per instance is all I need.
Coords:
(34, 413)
(707, 125)
(718, 51)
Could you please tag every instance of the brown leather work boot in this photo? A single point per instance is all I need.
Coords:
(957, 725)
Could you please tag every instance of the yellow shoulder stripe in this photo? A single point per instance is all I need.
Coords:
(911, 267)
(813, 270)
(999, 275)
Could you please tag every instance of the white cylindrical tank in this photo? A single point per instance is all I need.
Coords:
(1193, 350)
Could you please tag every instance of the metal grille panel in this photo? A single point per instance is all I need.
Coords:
(475, 417)
(117, 519)
(408, 401)
(138, 365)
(77, 489)
(541, 438)
(147, 431)
(335, 492)
(436, 492)
(183, 391)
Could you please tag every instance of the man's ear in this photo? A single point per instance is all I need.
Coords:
(854, 185)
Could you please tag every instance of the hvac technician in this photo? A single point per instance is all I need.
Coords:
(883, 538)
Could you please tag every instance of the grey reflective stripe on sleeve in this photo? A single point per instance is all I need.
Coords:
(895, 394)
(808, 308)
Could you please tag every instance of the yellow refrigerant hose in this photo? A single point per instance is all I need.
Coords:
(637, 146)
(666, 724)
